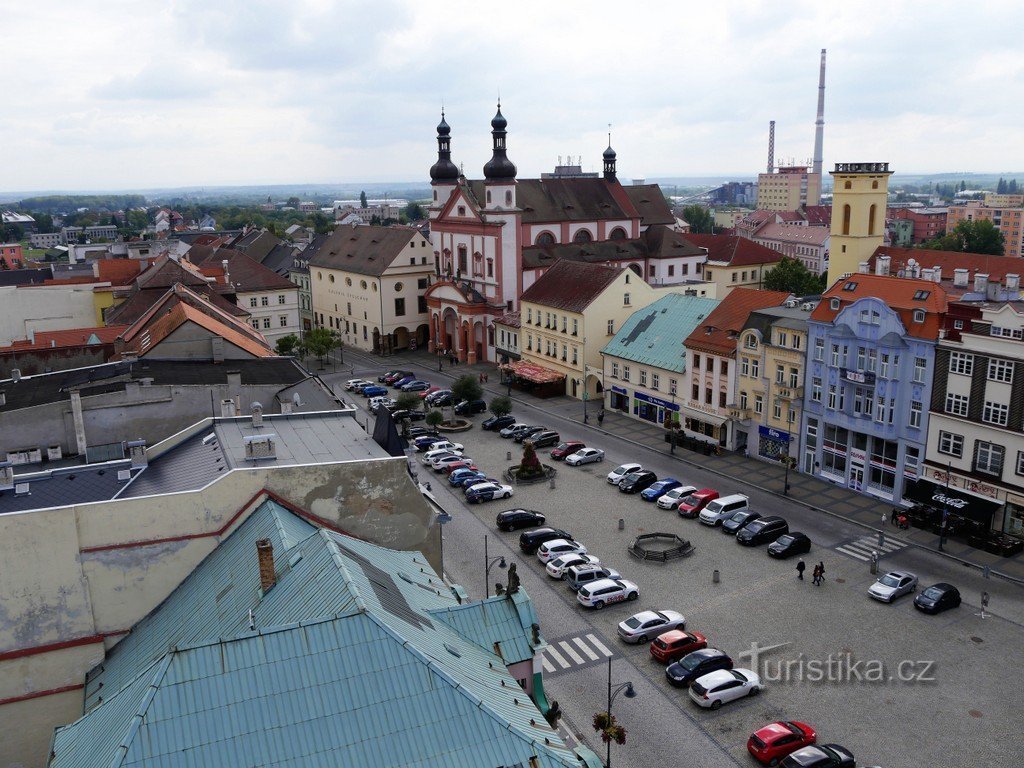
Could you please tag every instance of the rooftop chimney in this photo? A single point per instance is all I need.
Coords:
(227, 275)
(927, 274)
(882, 265)
(15, 374)
(960, 278)
(863, 268)
(257, 414)
(981, 282)
(1012, 282)
(937, 274)
(137, 453)
(265, 552)
(227, 408)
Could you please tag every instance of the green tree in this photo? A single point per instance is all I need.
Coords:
(980, 236)
(362, 199)
(792, 276)
(293, 202)
(409, 401)
(1012, 187)
(413, 212)
(434, 418)
(466, 388)
(501, 406)
(320, 342)
(1001, 186)
(286, 345)
(699, 218)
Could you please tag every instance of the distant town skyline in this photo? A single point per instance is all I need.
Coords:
(112, 95)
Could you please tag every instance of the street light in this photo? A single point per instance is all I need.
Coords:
(630, 693)
(442, 518)
(488, 563)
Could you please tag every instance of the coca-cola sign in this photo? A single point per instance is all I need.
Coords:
(953, 500)
(949, 501)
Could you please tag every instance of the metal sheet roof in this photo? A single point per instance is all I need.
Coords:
(654, 335)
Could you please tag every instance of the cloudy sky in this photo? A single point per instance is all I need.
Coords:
(107, 94)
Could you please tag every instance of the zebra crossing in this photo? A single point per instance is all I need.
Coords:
(573, 652)
(861, 547)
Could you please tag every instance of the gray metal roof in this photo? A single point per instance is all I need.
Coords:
(67, 485)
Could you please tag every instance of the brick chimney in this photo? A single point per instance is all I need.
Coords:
(265, 551)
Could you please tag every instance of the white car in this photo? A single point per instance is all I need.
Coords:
(440, 462)
(487, 491)
(717, 688)
(604, 591)
(507, 431)
(584, 456)
(893, 585)
(557, 566)
(434, 452)
(549, 550)
(616, 475)
(647, 625)
(353, 383)
(382, 401)
(671, 499)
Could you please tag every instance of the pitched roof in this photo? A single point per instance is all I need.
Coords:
(165, 272)
(656, 242)
(818, 215)
(565, 199)
(136, 305)
(718, 331)
(650, 203)
(71, 337)
(654, 335)
(996, 267)
(570, 285)
(794, 233)
(245, 273)
(897, 292)
(80, 484)
(733, 250)
(118, 271)
(363, 249)
(509, 320)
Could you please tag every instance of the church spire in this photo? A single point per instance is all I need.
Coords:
(444, 169)
(609, 159)
(499, 167)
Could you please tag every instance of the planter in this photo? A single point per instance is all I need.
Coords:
(510, 475)
(660, 547)
(456, 425)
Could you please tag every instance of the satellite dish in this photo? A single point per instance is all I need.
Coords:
(296, 400)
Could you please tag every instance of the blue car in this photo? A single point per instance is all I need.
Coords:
(374, 391)
(424, 443)
(461, 475)
(399, 383)
(470, 480)
(659, 489)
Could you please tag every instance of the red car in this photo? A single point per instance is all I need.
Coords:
(428, 391)
(449, 468)
(776, 740)
(566, 448)
(672, 646)
(696, 501)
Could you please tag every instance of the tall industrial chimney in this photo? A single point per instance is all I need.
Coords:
(771, 146)
(819, 123)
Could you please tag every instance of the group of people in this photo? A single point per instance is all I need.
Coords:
(817, 575)
(483, 377)
(899, 519)
(453, 358)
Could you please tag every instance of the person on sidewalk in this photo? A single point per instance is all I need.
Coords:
(892, 517)
(819, 571)
(800, 567)
(600, 418)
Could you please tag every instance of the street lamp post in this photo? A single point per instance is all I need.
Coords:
(488, 563)
(442, 519)
(785, 483)
(630, 693)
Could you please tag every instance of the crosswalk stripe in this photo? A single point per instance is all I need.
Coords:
(548, 666)
(851, 553)
(599, 645)
(570, 652)
(557, 657)
(585, 648)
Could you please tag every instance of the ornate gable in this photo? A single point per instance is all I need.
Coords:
(461, 208)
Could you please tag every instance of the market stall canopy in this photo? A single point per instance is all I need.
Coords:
(532, 372)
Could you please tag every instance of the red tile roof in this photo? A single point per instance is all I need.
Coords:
(119, 271)
(733, 250)
(996, 267)
(896, 292)
(72, 337)
(818, 215)
(718, 332)
(570, 285)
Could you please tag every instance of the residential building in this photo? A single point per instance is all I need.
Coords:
(1006, 212)
(506, 337)
(31, 308)
(709, 408)
(788, 189)
(734, 262)
(72, 235)
(860, 192)
(645, 362)
(808, 245)
(770, 356)
(727, 218)
(569, 315)
(46, 239)
(22, 220)
(974, 460)
(368, 284)
(899, 232)
(11, 256)
(928, 223)
(299, 275)
(871, 351)
(59, 350)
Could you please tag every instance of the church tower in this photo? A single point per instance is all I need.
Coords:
(499, 171)
(609, 161)
(444, 175)
(860, 192)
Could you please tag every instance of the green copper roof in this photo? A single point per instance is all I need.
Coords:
(654, 335)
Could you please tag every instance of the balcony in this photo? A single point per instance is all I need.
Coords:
(790, 393)
(737, 413)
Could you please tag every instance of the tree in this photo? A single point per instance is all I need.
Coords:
(293, 202)
(466, 388)
(286, 345)
(320, 342)
(414, 212)
(434, 418)
(530, 465)
(408, 401)
(1012, 187)
(501, 406)
(963, 186)
(362, 200)
(792, 276)
(979, 236)
(699, 218)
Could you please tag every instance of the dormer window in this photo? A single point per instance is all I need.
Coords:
(750, 342)
(834, 305)
(918, 315)
(850, 286)
(921, 295)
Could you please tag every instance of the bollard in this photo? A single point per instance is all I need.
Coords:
(716, 577)
(508, 455)
(622, 524)
(874, 561)
(552, 482)
(985, 571)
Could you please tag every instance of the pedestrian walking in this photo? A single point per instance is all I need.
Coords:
(801, 566)
(480, 378)
(892, 517)
(487, 378)
(815, 575)
(821, 573)
(600, 418)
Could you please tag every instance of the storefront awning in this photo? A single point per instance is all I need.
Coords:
(538, 374)
(707, 418)
(955, 500)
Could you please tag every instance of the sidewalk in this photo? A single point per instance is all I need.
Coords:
(804, 489)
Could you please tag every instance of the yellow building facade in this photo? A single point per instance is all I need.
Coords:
(860, 193)
(790, 189)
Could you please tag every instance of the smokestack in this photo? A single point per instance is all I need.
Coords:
(819, 123)
(771, 146)
(265, 553)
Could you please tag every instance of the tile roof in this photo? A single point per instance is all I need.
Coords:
(996, 267)
(510, 320)
(118, 271)
(570, 285)
(78, 484)
(896, 292)
(654, 335)
(733, 250)
(363, 249)
(246, 274)
(165, 272)
(72, 337)
(794, 233)
(566, 199)
(650, 203)
(656, 242)
(717, 333)
(818, 215)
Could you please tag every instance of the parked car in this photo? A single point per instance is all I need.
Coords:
(410, 415)
(544, 438)
(352, 384)
(585, 456)
(717, 688)
(692, 505)
(416, 385)
(789, 544)
(647, 625)
(738, 520)
(635, 482)
(433, 397)
(401, 382)
(616, 475)
(671, 499)
(894, 584)
(487, 492)
(428, 392)
(530, 541)
(528, 431)
(443, 400)
(718, 511)
(604, 591)
(675, 644)
(763, 530)
(423, 432)
(391, 378)
(446, 445)
(373, 390)
(424, 442)
(772, 742)
(469, 407)
(557, 566)
(439, 463)
(434, 452)
(697, 664)
(937, 598)
(511, 429)
(383, 378)
(381, 401)
(477, 477)
(577, 576)
(566, 448)
(659, 489)
(511, 519)
(458, 475)
(457, 465)
(497, 423)
(820, 756)
(558, 547)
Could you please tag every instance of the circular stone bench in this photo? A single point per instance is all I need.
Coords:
(510, 475)
(660, 547)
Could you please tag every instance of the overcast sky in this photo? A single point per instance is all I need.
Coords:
(107, 94)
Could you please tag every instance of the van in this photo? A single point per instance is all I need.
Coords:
(577, 576)
(718, 511)
(691, 506)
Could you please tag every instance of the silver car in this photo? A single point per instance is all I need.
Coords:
(893, 585)
(584, 456)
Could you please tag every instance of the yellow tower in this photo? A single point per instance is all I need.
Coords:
(859, 195)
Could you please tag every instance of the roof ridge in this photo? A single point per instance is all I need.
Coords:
(139, 717)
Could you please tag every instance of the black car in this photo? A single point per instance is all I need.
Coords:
(937, 598)
(697, 664)
(443, 401)
(495, 423)
(737, 521)
(423, 432)
(410, 415)
(820, 756)
(545, 437)
(764, 530)
(469, 407)
(530, 541)
(511, 519)
(637, 481)
(521, 434)
(790, 544)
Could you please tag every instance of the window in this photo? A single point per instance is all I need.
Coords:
(696, 392)
(918, 315)
(869, 317)
(265, 301)
(672, 386)
(780, 374)
(565, 323)
(611, 327)
(625, 299)
(860, 358)
(962, 363)
(783, 339)
(883, 372)
(755, 367)
(1020, 462)
(284, 321)
(745, 366)
(582, 236)
(696, 362)
(707, 396)
(794, 378)
(575, 356)
(625, 373)
(463, 259)
(911, 461)
(920, 365)
(816, 389)
(255, 324)
(796, 341)
(565, 352)
(834, 303)
(819, 349)
(655, 381)
(575, 326)
(956, 404)
(915, 414)
(529, 315)
(643, 377)
(832, 402)
(252, 301)
(421, 283)
(743, 400)
(996, 413)
(399, 307)
(722, 399)
(266, 322)
(615, 370)
(835, 355)
(791, 416)
(750, 342)
(871, 219)
(777, 409)
(1000, 370)
(545, 238)
(846, 218)
(758, 404)
(280, 298)
(988, 458)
